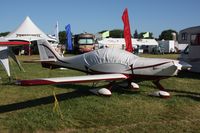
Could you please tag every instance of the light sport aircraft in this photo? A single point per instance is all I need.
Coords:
(106, 64)
(5, 52)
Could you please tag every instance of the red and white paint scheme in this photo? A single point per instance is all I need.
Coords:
(5, 52)
(106, 64)
(112, 64)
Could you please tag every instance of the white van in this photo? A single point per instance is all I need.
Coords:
(191, 54)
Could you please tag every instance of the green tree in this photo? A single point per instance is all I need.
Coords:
(117, 33)
(4, 33)
(62, 37)
(135, 35)
(167, 34)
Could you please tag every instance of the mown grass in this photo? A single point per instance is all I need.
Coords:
(30, 109)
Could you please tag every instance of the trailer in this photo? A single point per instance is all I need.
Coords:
(191, 54)
(167, 46)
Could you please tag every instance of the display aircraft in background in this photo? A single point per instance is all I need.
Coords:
(5, 52)
(106, 64)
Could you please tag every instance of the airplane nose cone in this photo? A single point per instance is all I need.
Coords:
(181, 65)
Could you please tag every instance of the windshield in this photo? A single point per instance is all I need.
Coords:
(86, 41)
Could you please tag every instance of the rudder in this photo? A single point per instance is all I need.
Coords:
(46, 51)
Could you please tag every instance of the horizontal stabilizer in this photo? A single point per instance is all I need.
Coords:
(75, 79)
(39, 61)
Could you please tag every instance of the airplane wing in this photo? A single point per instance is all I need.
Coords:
(5, 52)
(75, 79)
(13, 43)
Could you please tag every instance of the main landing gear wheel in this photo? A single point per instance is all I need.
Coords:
(129, 86)
(161, 93)
(101, 91)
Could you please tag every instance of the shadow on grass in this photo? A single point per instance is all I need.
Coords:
(44, 100)
(80, 91)
(190, 75)
(186, 94)
(181, 93)
(193, 97)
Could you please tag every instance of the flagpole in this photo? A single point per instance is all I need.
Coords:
(29, 47)
(57, 32)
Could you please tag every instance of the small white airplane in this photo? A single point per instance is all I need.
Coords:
(106, 64)
(5, 52)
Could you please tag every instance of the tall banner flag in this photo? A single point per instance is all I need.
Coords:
(56, 32)
(127, 31)
(69, 37)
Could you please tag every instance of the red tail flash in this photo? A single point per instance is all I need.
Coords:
(127, 31)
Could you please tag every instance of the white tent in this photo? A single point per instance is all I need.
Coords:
(121, 41)
(28, 31)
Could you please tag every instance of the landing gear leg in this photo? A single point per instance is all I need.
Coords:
(162, 93)
(110, 85)
(103, 91)
(158, 85)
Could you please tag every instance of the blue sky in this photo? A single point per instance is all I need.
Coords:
(97, 15)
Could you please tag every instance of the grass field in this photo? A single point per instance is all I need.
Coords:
(30, 109)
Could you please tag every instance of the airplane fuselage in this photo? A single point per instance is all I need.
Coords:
(104, 61)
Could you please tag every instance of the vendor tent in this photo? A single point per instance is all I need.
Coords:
(28, 31)
(120, 43)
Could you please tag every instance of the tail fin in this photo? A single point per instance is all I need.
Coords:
(48, 55)
(46, 51)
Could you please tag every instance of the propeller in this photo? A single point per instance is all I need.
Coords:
(181, 65)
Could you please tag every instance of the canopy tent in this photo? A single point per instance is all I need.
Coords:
(28, 31)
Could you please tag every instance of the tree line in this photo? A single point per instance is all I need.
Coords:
(118, 33)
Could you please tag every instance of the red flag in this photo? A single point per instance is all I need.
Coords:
(127, 31)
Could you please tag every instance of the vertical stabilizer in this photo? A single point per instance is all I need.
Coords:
(46, 51)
